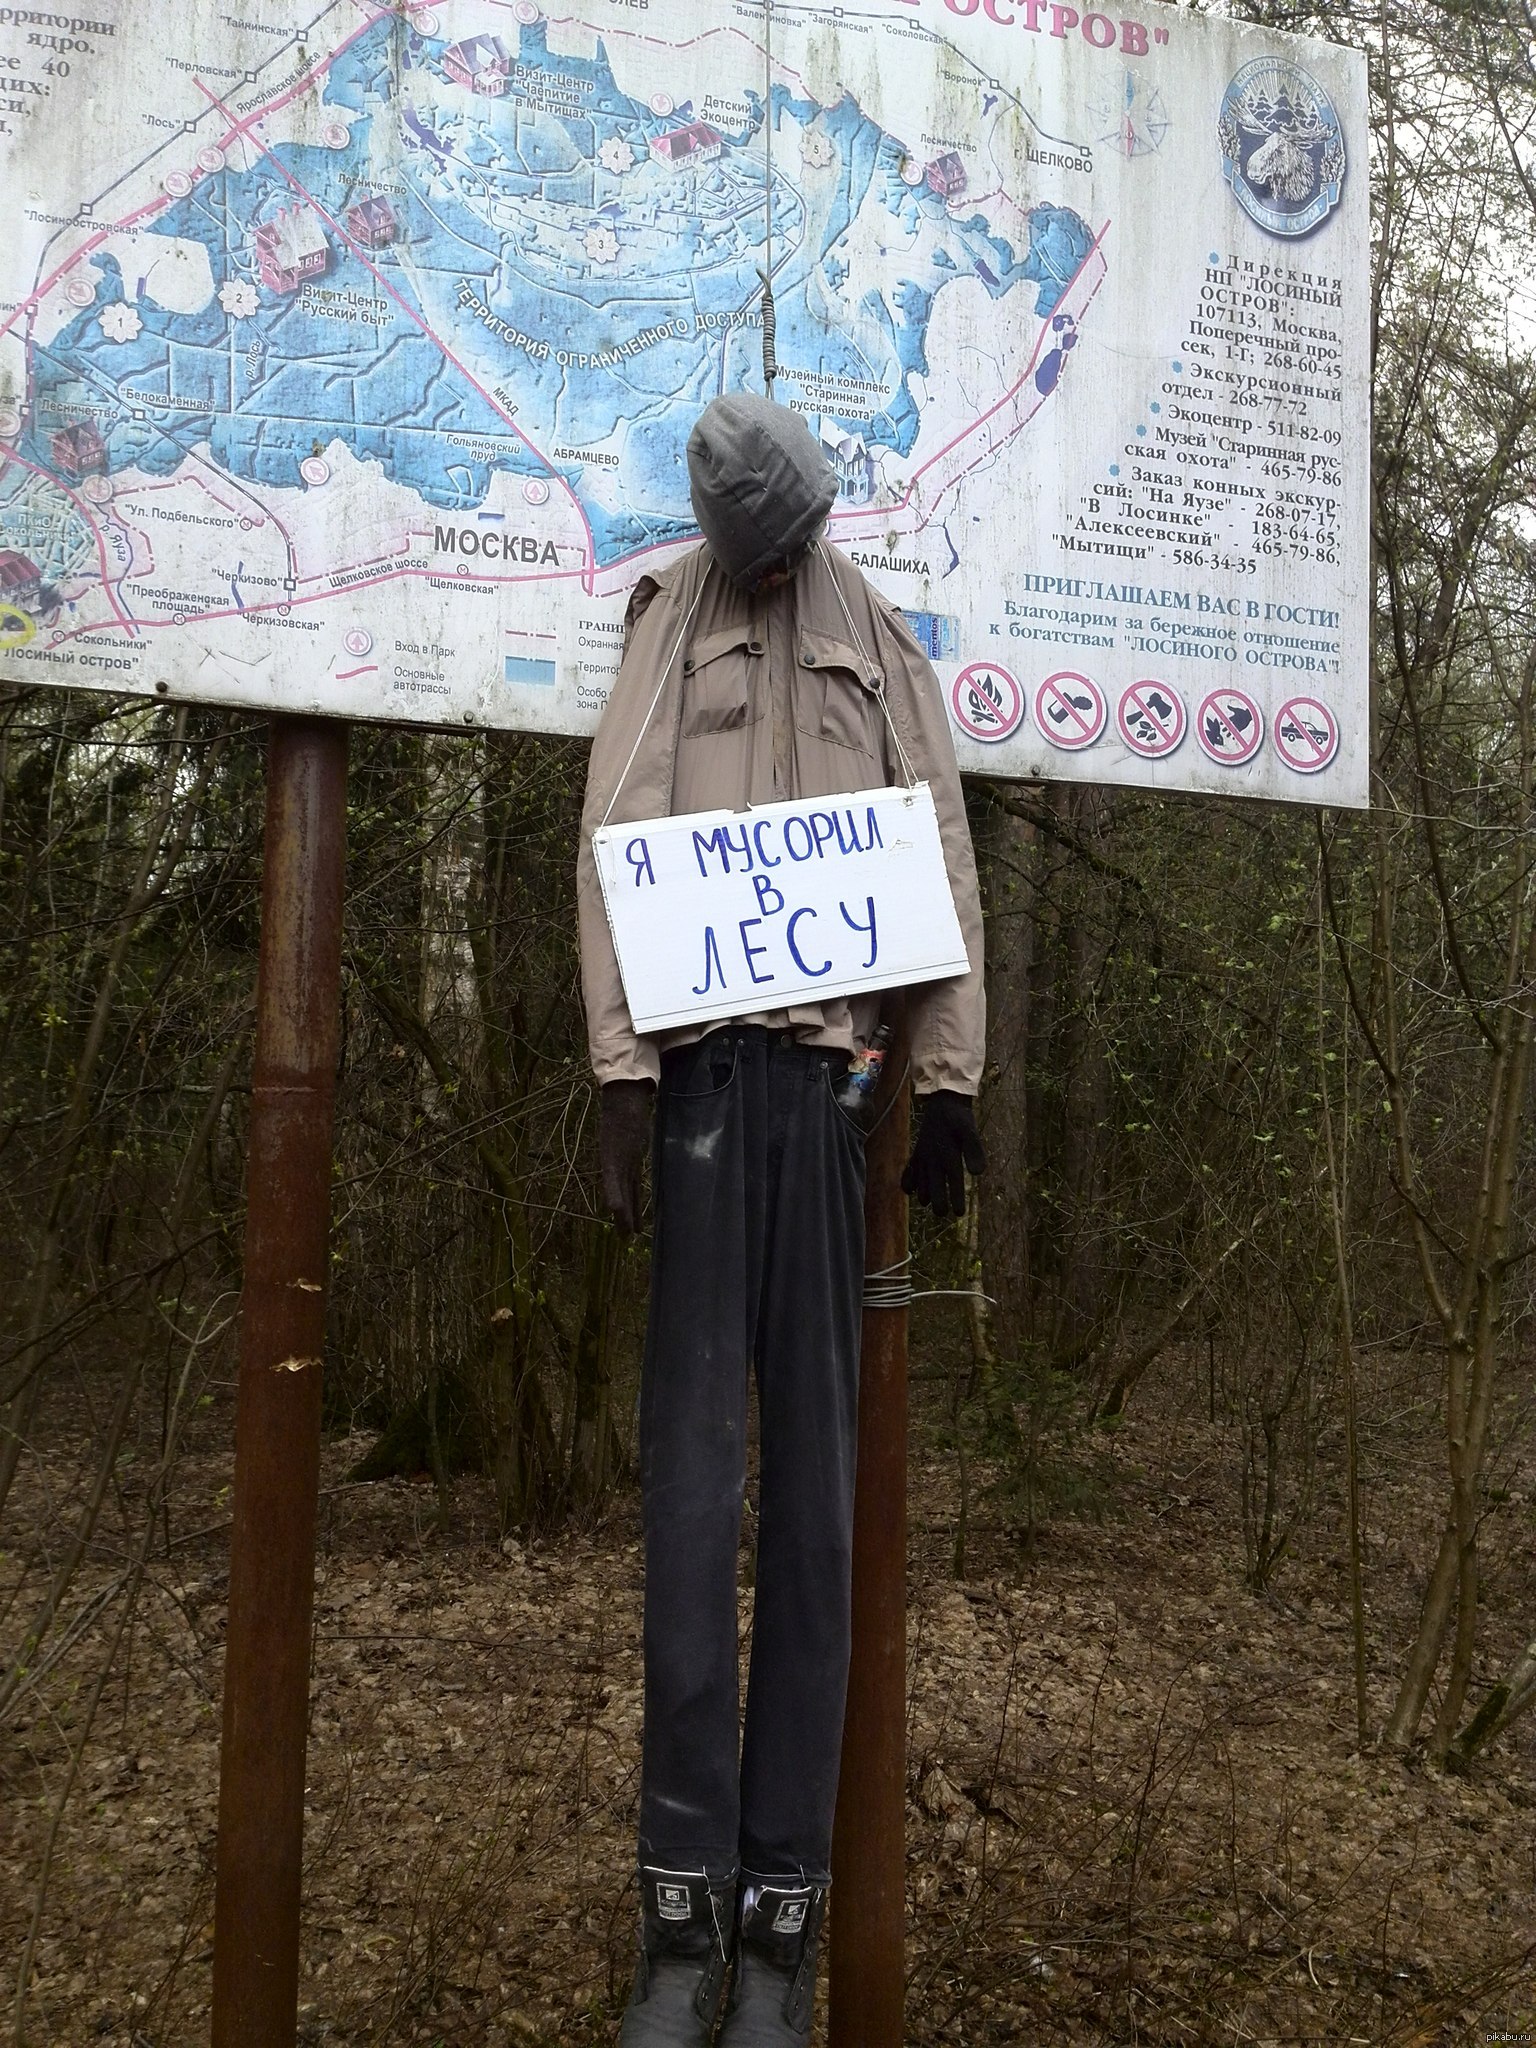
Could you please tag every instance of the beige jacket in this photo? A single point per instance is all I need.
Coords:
(772, 697)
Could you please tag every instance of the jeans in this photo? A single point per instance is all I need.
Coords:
(757, 1262)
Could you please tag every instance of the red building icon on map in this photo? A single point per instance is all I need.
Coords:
(480, 64)
(290, 247)
(372, 223)
(696, 144)
(79, 451)
(947, 175)
(21, 581)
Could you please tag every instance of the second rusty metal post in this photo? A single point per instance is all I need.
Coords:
(867, 1965)
(277, 1417)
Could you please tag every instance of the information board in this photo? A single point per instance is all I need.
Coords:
(348, 354)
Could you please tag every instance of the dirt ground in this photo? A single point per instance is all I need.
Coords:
(1136, 1811)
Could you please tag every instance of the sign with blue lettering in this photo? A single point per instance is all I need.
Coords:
(721, 914)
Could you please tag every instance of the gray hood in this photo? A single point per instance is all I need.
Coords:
(761, 487)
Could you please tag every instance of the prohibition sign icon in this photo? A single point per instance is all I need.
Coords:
(1229, 727)
(1070, 709)
(1152, 719)
(1306, 735)
(987, 702)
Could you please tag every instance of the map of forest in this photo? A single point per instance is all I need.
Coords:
(477, 260)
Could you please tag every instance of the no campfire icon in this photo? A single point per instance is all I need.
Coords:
(987, 702)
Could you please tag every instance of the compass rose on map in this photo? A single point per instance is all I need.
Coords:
(1131, 118)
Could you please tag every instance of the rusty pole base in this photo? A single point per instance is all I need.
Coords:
(867, 1964)
(277, 1417)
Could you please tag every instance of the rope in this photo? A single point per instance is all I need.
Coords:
(876, 676)
(651, 711)
(891, 1287)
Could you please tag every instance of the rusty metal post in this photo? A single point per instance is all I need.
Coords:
(277, 1415)
(867, 1967)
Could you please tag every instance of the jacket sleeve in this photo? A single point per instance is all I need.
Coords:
(947, 1020)
(618, 1052)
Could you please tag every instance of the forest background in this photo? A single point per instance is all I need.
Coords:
(1224, 1607)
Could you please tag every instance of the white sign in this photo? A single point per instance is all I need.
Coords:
(726, 913)
(347, 361)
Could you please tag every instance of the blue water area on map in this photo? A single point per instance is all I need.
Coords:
(548, 220)
(529, 670)
(340, 358)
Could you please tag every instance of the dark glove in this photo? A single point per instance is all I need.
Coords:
(947, 1143)
(623, 1139)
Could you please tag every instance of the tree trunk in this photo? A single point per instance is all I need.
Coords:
(525, 1457)
(1419, 1672)
(1082, 1304)
(1006, 852)
(595, 1456)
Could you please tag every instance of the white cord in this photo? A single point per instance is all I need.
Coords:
(651, 713)
(891, 1287)
(876, 675)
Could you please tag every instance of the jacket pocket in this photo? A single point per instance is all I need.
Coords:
(840, 1115)
(719, 674)
(837, 695)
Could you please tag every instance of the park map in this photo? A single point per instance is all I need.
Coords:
(348, 357)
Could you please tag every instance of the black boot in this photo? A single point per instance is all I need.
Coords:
(685, 1929)
(778, 1934)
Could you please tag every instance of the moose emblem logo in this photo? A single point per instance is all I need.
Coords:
(1282, 146)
